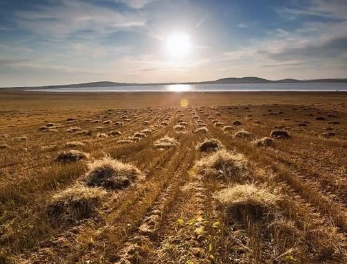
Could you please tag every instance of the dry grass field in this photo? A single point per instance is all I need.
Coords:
(137, 178)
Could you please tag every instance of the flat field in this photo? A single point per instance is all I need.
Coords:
(139, 178)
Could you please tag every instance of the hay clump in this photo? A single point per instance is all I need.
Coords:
(264, 142)
(201, 130)
(124, 141)
(3, 146)
(71, 156)
(210, 145)
(118, 123)
(139, 135)
(114, 133)
(111, 174)
(179, 128)
(73, 129)
(19, 139)
(246, 200)
(320, 118)
(74, 204)
(280, 134)
(228, 128)
(84, 132)
(101, 135)
(243, 134)
(147, 131)
(224, 165)
(50, 124)
(166, 142)
(48, 129)
(328, 134)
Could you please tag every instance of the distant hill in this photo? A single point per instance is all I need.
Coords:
(91, 84)
(261, 80)
(241, 80)
(288, 81)
(229, 80)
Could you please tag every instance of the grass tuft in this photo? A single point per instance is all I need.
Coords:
(166, 142)
(264, 142)
(111, 174)
(248, 199)
(201, 130)
(74, 204)
(71, 156)
(243, 134)
(223, 165)
(228, 128)
(279, 134)
(210, 145)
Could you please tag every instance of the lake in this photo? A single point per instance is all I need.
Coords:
(239, 87)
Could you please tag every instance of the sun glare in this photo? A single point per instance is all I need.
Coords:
(178, 44)
(179, 88)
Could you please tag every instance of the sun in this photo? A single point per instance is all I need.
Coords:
(178, 45)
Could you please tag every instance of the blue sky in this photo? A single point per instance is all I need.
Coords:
(46, 42)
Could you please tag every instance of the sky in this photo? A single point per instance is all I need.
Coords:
(46, 42)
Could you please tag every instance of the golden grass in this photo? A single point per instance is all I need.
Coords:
(177, 208)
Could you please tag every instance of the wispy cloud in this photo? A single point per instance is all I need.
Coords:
(137, 4)
(15, 61)
(71, 16)
(336, 9)
(201, 21)
(241, 25)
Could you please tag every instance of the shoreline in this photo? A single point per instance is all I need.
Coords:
(19, 99)
(50, 92)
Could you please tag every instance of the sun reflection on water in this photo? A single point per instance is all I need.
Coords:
(179, 88)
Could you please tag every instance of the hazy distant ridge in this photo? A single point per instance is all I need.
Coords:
(262, 80)
(228, 80)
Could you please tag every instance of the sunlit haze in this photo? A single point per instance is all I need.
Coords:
(149, 41)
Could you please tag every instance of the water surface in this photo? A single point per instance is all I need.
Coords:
(239, 87)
